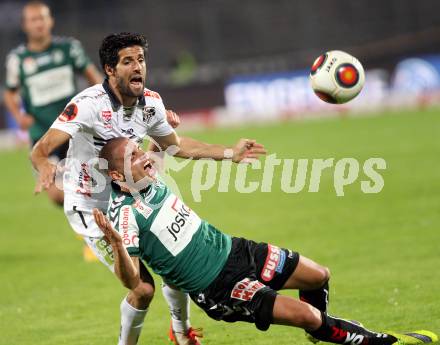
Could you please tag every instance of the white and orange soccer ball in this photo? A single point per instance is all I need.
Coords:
(337, 77)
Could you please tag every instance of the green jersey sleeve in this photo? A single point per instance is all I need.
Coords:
(78, 56)
(12, 71)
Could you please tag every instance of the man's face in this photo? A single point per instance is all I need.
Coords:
(130, 72)
(37, 22)
(136, 165)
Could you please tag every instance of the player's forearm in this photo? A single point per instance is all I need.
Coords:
(191, 148)
(92, 75)
(40, 155)
(125, 269)
(12, 103)
(53, 139)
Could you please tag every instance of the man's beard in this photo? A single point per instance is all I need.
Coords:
(124, 89)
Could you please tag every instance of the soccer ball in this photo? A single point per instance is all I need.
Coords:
(337, 77)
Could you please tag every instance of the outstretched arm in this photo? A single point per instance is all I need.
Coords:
(187, 147)
(244, 149)
(126, 268)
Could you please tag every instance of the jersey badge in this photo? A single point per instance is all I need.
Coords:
(29, 65)
(69, 113)
(143, 209)
(148, 113)
(106, 116)
(57, 56)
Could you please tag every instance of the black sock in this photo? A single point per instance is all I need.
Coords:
(318, 298)
(341, 331)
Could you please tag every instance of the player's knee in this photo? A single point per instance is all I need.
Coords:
(321, 276)
(308, 318)
(299, 314)
(325, 274)
(144, 293)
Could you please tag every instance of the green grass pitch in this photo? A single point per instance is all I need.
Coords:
(382, 249)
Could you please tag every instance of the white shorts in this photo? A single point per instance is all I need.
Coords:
(82, 221)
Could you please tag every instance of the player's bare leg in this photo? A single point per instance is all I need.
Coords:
(312, 281)
(310, 313)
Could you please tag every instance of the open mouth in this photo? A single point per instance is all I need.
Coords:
(136, 81)
(149, 169)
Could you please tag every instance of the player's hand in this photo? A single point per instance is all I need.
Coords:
(247, 150)
(110, 234)
(25, 121)
(46, 177)
(172, 118)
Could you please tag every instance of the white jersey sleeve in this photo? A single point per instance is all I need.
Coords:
(160, 127)
(77, 116)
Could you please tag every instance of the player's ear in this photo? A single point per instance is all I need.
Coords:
(109, 71)
(116, 176)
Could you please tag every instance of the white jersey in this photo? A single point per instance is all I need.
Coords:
(92, 118)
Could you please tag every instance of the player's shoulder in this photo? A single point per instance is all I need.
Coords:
(150, 94)
(93, 93)
(120, 205)
(64, 41)
(18, 51)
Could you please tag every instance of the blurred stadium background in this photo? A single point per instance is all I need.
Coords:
(200, 49)
(245, 63)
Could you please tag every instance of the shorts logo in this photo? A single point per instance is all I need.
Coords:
(274, 262)
(69, 113)
(246, 289)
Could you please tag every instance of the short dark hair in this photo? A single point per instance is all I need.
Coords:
(108, 152)
(112, 44)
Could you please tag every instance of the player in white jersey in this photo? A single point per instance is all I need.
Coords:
(121, 106)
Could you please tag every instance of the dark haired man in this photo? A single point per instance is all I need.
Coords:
(121, 106)
(230, 278)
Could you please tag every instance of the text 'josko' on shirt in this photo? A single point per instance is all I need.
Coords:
(46, 79)
(169, 236)
(92, 118)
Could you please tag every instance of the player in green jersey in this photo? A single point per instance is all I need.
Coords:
(231, 279)
(40, 77)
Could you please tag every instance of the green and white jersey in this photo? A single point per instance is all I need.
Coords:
(169, 237)
(46, 79)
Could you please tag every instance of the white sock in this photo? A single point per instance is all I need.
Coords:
(132, 320)
(178, 303)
